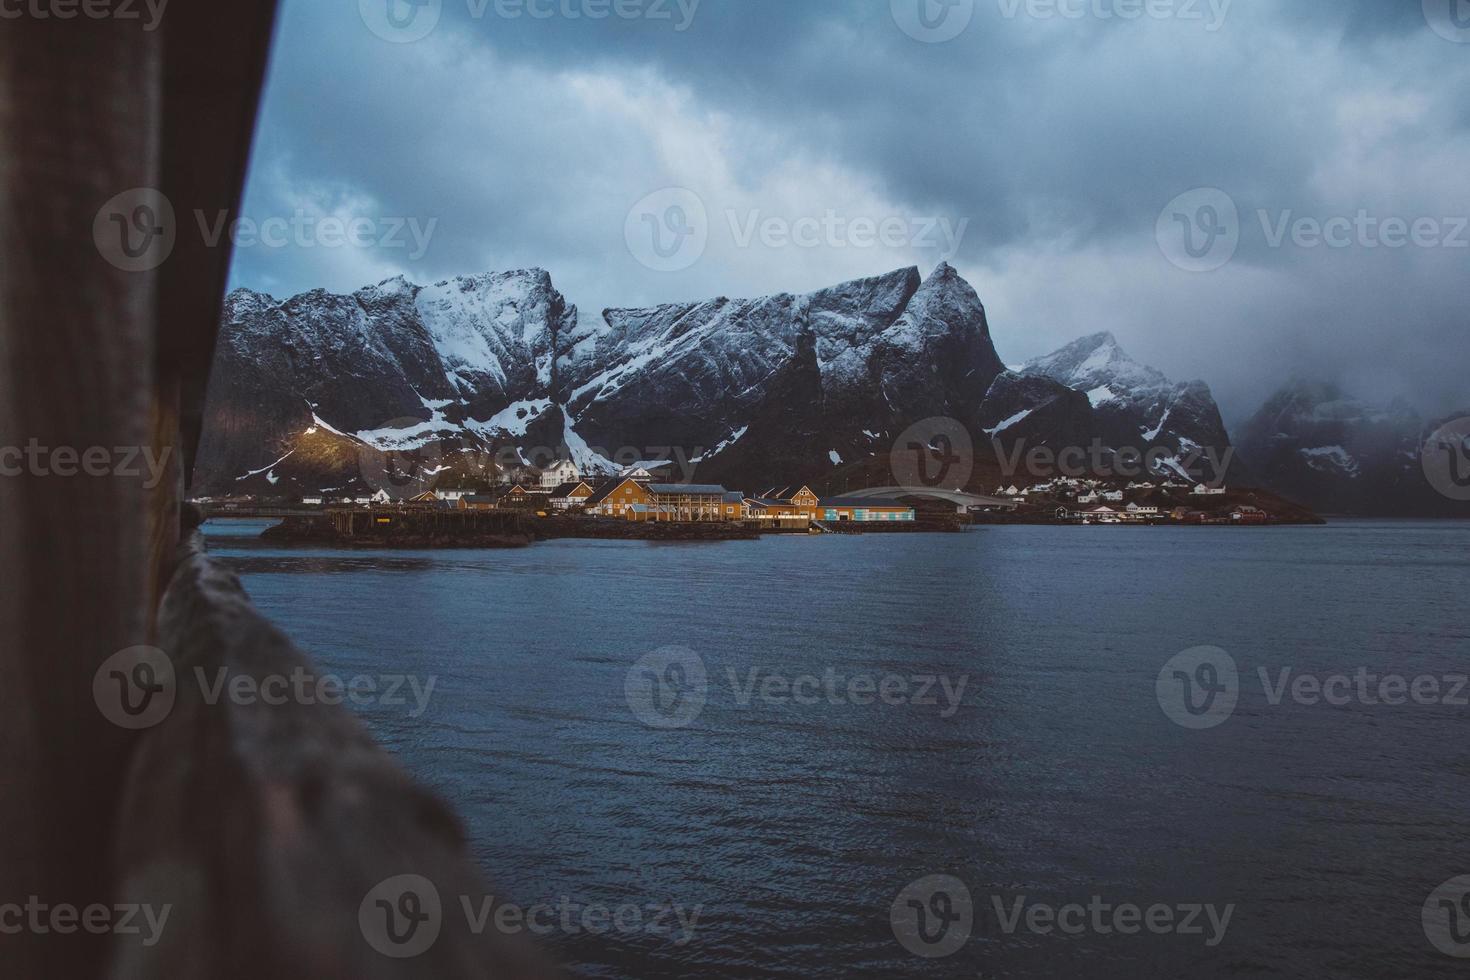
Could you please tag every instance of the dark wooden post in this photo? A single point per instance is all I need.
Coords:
(79, 113)
(102, 356)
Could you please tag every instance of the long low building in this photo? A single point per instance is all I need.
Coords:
(635, 500)
(863, 510)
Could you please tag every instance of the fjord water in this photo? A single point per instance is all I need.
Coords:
(791, 828)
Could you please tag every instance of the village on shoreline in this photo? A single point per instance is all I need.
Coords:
(647, 502)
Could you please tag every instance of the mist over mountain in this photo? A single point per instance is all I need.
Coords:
(1338, 454)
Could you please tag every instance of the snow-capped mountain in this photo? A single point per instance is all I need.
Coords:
(500, 368)
(300, 386)
(1136, 407)
(486, 362)
(1336, 454)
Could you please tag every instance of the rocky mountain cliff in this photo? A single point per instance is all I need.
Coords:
(793, 387)
(1314, 443)
(1134, 405)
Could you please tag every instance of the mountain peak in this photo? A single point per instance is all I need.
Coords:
(1094, 361)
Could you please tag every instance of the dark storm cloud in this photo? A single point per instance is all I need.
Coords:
(1059, 139)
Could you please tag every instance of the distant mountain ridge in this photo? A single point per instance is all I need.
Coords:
(791, 387)
(1318, 445)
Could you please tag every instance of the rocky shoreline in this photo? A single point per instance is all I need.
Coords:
(414, 531)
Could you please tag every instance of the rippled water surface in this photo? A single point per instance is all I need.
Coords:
(789, 829)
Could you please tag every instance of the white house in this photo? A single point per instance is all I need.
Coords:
(638, 474)
(1139, 511)
(381, 497)
(1113, 496)
(562, 471)
(1204, 491)
(312, 501)
(1090, 497)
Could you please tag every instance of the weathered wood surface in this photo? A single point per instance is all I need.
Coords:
(266, 826)
(263, 827)
(78, 116)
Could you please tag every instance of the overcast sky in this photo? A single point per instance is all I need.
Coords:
(1042, 149)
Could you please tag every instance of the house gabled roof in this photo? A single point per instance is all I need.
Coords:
(611, 486)
(567, 489)
(786, 493)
